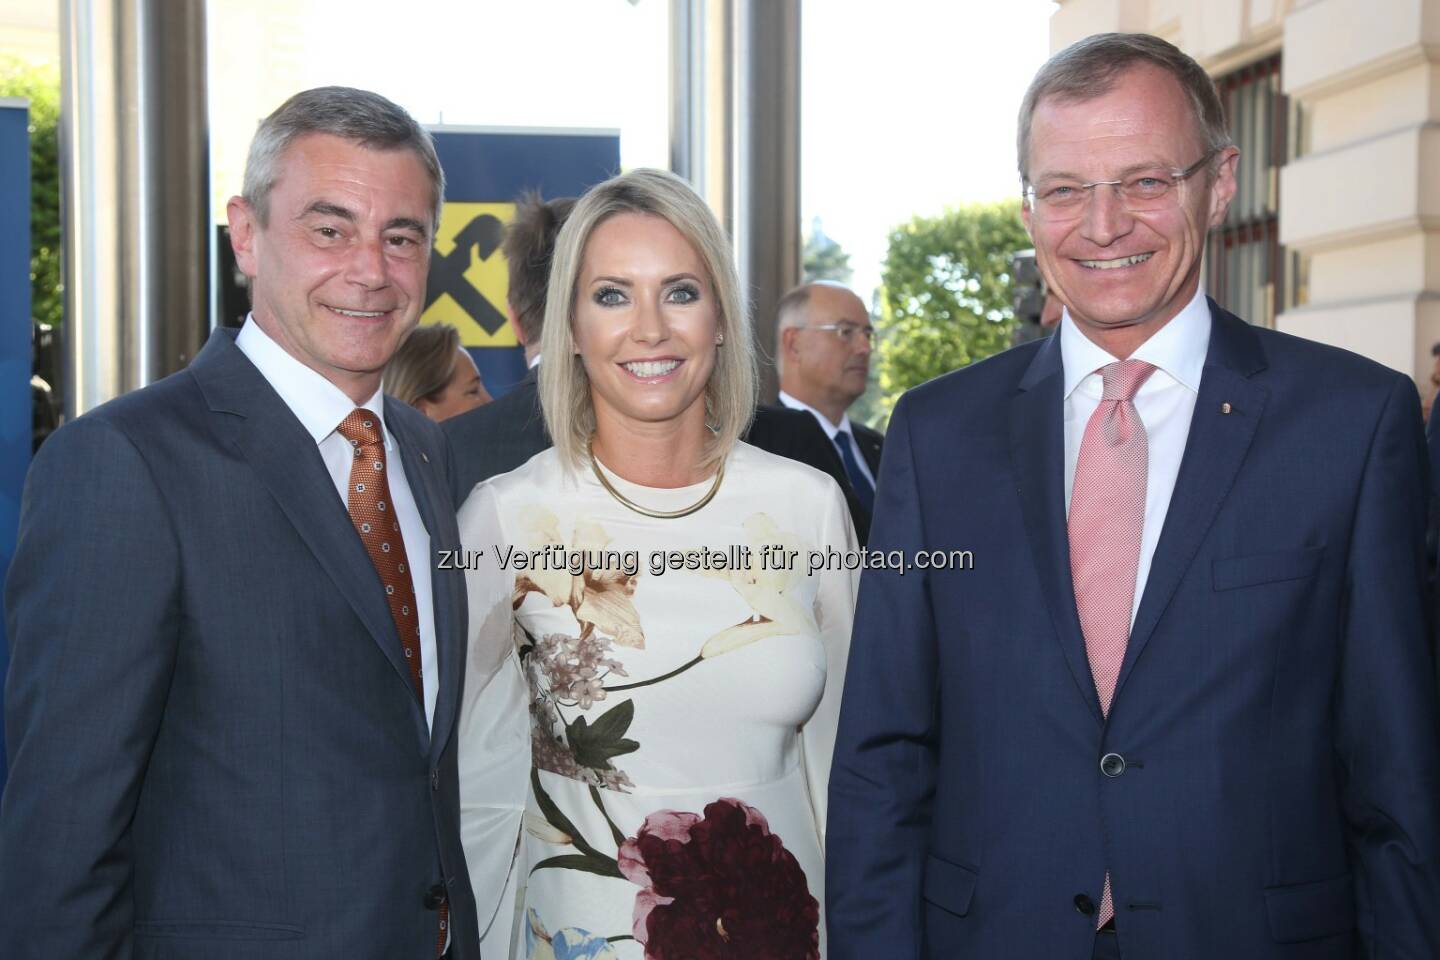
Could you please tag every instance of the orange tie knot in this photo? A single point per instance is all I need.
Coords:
(361, 428)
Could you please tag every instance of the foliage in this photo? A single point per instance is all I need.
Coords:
(945, 295)
(824, 259)
(41, 86)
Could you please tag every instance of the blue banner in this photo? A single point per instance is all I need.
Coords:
(485, 171)
(15, 322)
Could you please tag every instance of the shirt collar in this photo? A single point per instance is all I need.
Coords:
(1178, 348)
(830, 428)
(317, 403)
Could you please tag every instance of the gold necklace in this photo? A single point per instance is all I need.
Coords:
(643, 511)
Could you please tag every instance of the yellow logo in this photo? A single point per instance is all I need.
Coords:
(469, 282)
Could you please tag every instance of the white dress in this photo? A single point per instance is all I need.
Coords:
(681, 718)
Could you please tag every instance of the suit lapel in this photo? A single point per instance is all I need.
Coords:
(870, 450)
(1214, 451)
(1037, 447)
(430, 500)
(286, 461)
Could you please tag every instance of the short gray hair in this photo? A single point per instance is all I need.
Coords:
(788, 311)
(1089, 68)
(357, 115)
(564, 386)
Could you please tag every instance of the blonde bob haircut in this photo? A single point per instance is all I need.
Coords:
(565, 387)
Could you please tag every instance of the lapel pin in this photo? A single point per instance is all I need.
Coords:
(426, 458)
(1225, 408)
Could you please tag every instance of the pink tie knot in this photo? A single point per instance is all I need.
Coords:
(1124, 378)
(362, 428)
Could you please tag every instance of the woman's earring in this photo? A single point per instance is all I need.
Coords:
(719, 339)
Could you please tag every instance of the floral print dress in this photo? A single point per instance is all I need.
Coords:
(683, 681)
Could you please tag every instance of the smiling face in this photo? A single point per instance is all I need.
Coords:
(1122, 274)
(338, 271)
(645, 323)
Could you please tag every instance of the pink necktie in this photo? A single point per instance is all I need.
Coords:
(1107, 513)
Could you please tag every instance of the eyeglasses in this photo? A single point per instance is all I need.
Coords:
(1140, 192)
(846, 331)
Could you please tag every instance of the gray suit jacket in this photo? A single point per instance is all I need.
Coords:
(215, 746)
(497, 437)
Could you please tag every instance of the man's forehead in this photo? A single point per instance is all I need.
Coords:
(836, 302)
(1142, 103)
(327, 167)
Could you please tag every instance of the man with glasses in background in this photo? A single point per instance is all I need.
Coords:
(1181, 704)
(823, 347)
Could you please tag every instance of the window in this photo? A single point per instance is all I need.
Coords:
(1247, 270)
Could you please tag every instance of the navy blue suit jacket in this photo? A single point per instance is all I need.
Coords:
(498, 437)
(1280, 796)
(215, 746)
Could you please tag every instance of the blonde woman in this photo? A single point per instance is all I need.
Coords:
(650, 578)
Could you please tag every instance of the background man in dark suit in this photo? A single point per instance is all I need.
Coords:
(235, 664)
(797, 434)
(504, 434)
(823, 342)
(1181, 705)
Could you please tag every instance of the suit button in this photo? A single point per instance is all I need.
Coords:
(434, 779)
(435, 897)
(1112, 765)
(1084, 904)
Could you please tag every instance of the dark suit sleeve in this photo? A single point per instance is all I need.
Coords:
(883, 775)
(454, 430)
(1386, 725)
(92, 612)
(450, 471)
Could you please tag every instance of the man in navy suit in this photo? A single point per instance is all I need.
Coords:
(235, 664)
(1181, 706)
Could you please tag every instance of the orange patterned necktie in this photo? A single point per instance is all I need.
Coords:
(373, 513)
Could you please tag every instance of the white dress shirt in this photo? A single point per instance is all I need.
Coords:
(831, 429)
(320, 406)
(1165, 402)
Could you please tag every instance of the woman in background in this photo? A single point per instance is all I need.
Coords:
(648, 578)
(434, 374)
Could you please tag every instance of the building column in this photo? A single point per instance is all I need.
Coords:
(134, 155)
(1362, 206)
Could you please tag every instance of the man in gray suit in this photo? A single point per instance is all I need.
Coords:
(502, 435)
(235, 665)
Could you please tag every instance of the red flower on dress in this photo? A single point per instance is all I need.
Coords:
(717, 887)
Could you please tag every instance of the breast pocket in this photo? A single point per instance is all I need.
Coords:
(1254, 569)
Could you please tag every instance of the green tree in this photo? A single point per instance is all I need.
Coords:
(823, 258)
(945, 294)
(41, 86)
